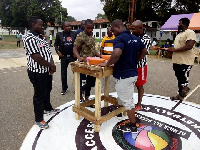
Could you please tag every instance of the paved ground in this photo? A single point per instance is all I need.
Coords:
(16, 109)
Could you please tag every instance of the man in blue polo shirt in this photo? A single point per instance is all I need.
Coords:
(82, 27)
(128, 49)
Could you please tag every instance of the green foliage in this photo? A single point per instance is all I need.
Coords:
(116, 9)
(15, 13)
(100, 16)
(5, 12)
(98, 40)
(147, 10)
(70, 19)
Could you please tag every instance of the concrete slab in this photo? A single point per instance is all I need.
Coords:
(18, 62)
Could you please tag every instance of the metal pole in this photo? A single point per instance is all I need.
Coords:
(61, 17)
(135, 6)
(132, 10)
(100, 32)
(129, 11)
(3, 39)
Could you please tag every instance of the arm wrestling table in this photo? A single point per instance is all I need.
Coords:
(80, 108)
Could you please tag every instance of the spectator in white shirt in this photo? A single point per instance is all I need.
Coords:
(50, 39)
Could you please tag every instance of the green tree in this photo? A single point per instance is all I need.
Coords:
(15, 13)
(100, 16)
(147, 10)
(5, 9)
(70, 19)
(116, 9)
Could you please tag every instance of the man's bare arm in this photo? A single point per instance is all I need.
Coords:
(142, 54)
(189, 45)
(76, 53)
(114, 57)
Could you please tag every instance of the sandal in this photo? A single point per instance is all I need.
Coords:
(182, 95)
(138, 107)
(185, 91)
(177, 97)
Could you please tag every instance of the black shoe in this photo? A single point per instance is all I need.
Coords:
(133, 129)
(127, 128)
(63, 92)
(119, 116)
(53, 111)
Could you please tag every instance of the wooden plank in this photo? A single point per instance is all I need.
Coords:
(106, 89)
(111, 100)
(110, 115)
(94, 73)
(89, 67)
(77, 93)
(87, 116)
(125, 113)
(92, 70)
(107, 71)
(88, 103)
(98, 98)
(87, 110)
(97, 128)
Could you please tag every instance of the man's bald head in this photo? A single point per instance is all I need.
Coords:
(137, 28)
(117, 27)
(66, 26)
(117, 22)
(137, 23)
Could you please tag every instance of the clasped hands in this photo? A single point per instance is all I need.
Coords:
(170, 49)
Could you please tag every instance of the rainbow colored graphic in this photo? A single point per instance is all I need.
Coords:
(148, 138)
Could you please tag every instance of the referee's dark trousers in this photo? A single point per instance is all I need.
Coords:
(42, 83)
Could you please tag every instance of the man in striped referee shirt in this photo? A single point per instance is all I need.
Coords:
(40, 69)
(137, 30)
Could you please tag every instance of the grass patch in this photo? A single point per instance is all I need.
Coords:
(152, 52)
(10, 42)
(9, 46)
(98, 40)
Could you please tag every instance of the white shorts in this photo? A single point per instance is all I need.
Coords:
(125, 90)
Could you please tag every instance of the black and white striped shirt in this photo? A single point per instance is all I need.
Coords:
(147, 42)
(35, 44)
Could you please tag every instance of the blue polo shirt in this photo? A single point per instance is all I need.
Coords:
(130, 45)
(79, 31)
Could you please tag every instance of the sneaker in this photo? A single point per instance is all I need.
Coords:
(133, 129)
(53, 111)
(42, 124)
(119, 116)
(127, 128)
(63, 92)
(138, 108)
(177, 97)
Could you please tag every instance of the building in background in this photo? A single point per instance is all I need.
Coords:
(152, 28)
(100, 28)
